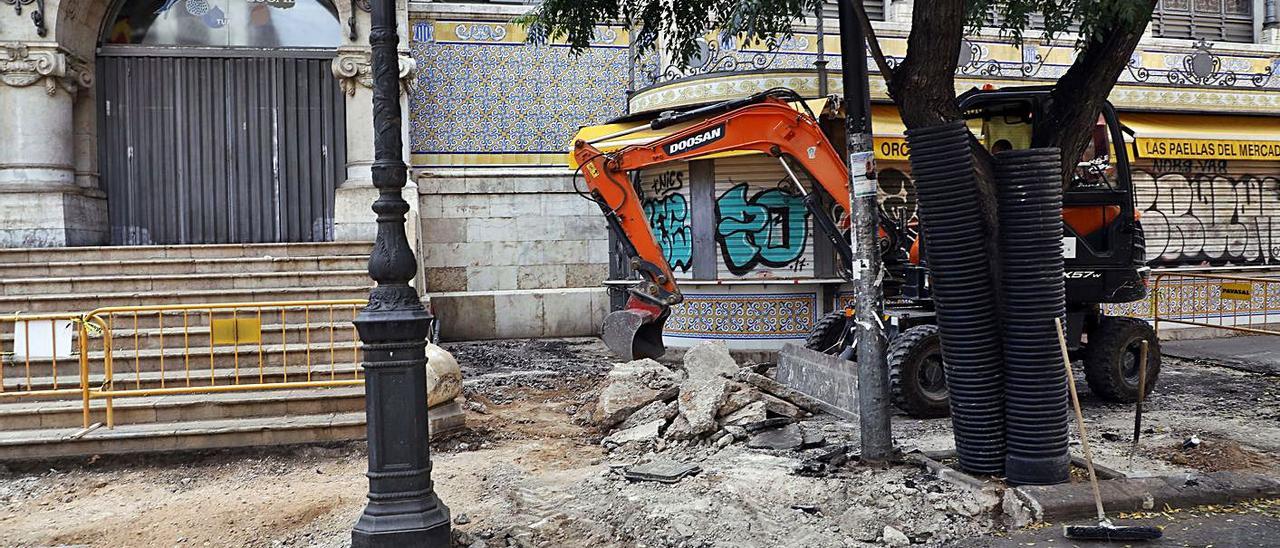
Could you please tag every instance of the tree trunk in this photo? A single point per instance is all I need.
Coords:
(1077, 99)
(923, 87)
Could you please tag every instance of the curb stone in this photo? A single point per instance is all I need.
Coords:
(1029, 504)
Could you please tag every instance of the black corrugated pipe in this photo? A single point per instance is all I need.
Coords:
(1034, 294)
(954, 234)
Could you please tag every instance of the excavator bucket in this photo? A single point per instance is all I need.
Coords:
(635, 333)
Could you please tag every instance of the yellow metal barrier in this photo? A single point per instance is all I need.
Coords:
(40, 355)
(1235, 303)
(214, 348)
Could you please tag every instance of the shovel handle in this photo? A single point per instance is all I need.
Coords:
(1142, 392)
(1075, 406)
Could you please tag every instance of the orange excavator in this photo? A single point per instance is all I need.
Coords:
(1103, 238)
(764, 123)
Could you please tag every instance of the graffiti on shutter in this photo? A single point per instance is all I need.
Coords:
(664, 192)
(1212, 211)
(762, 227)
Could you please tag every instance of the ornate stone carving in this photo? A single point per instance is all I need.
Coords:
(352, 68)
(23, 65)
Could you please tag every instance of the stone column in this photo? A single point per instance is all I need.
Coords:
(41, 204)
(1271, 22)
(352, 218)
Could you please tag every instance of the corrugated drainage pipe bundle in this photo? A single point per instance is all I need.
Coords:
(1030, 202)
(954, 236)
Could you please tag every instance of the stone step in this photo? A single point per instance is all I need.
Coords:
(181, 282)
(146, 380)
(184, 266)
(48, 443)
(134, 253)
(127, 363)
(176, 337)
(84, 302)
(25, 415)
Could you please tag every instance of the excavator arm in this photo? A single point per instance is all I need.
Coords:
(762, 123)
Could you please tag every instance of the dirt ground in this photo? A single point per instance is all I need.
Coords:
(526, 472)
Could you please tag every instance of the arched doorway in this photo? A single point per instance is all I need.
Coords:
(220, 121)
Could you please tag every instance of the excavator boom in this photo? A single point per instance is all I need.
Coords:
(762, 123)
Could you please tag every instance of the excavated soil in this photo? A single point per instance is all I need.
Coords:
(527, 472)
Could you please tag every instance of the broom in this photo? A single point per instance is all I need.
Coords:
(1104, 530)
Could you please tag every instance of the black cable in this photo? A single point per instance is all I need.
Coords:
(603, 204)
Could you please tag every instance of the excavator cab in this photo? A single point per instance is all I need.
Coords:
(1104, 247)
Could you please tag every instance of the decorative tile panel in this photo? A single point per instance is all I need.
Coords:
(484, 96)
(744, 316)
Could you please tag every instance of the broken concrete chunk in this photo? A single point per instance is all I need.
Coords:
(649, 413)
(700, 398)
(631, 386)
(751, 413)
(779, 408)
(782, 439)
(645, 432)
(709, 359)
(739, 396)
(894, 537)
(813, 438)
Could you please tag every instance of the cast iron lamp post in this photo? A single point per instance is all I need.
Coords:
(403, 509)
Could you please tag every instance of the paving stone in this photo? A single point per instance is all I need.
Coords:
(784, 438)
(663, 471)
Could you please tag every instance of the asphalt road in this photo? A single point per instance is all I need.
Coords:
(1183, 529)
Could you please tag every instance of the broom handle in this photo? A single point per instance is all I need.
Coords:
(1075, 403)
(1142, 391)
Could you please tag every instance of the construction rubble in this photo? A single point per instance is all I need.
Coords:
(705, 400)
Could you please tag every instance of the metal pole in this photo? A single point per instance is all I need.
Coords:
(403, 509)
(821, 63)
(873, 374)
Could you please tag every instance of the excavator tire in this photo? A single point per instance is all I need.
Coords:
(1111, 358)
(1139, 245)
(825, 336)
(916, 376)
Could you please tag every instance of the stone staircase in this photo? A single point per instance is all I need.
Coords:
(52, 280)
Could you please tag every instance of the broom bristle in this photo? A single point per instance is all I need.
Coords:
(1120, 532)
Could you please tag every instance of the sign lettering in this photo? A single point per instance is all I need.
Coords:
(1237, 291)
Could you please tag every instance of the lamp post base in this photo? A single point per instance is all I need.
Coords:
(418, 521)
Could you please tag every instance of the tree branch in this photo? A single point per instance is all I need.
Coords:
(1078, 96)
(873, 42)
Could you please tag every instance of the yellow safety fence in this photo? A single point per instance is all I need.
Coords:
(139, 351)
(1244, 304)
